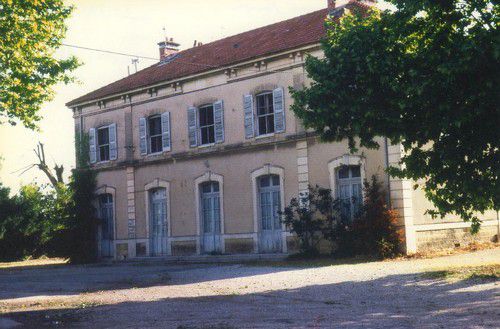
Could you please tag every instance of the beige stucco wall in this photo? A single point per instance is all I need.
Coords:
(236, 170)
(421, 204)
(232, 95)
(320, 154)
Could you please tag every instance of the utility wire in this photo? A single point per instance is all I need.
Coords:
(156, 59)
(110, 52)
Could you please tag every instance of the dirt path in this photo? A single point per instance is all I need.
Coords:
(366, 295)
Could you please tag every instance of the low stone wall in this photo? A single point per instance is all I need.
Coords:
(451, 238)
(238, 246)
(121, 251)
(292, 244)
(183, 248)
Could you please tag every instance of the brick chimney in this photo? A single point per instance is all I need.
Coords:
(167, 48)
(331, 5)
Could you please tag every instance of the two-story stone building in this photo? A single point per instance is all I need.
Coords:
(197, 153)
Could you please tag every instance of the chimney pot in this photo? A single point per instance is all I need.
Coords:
(168, 48)
(331, 5)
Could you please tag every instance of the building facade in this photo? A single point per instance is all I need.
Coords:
(197, 153)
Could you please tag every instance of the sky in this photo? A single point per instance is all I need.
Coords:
(132, 27)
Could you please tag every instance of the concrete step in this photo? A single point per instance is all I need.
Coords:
(193, 259)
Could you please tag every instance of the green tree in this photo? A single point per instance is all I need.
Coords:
(30, 33)
(425, 74)
(32, 222)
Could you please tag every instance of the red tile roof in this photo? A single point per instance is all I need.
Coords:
(289, 34)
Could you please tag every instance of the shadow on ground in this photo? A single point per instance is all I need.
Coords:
(70, 280)
(402, 301)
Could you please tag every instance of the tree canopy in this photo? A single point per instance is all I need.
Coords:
(425, 75)
(30, 32)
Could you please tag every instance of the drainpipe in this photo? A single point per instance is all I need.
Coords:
(386, 148)
(498, 227)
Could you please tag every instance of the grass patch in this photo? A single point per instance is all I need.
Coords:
(489, 272)
(471, 247)
(320, 261)
(42, 261)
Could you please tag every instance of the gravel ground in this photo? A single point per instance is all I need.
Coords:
(367, 295)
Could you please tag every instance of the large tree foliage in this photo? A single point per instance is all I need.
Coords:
(426, 75)
(30, 33)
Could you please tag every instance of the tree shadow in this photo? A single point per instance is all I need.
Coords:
(71, 280)
(394, 301)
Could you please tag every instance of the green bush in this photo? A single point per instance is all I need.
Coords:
(316, 215)
(32, 221)
(54, 221)
(374, 232)
(300, 216)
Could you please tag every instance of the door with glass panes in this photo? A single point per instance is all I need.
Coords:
(349, 191)
(210, 218)
(106, 227)
(269, 196)
(158, 222)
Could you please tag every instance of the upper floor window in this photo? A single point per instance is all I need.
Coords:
(154, 134)
(265, 113)
(206, 124)
(102, 144)
(268, 114)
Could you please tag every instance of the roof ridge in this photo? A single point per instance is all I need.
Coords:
(291, 33)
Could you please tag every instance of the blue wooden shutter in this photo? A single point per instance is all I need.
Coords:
(143, 146)
(92, 146)
(219, 121)
(279, 110)
(113, 151)
(248, 115)
(165, 131)
(192, 126)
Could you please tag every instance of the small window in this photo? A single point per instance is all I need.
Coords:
(154, 130)
(206, 124)
(265, 113)
(103, 143)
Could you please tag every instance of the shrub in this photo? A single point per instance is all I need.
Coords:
(32, 222)
(300, 217)
(55, 221)
(374, 232)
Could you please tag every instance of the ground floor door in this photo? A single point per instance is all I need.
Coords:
(106, 227)
(210, 218)
(349, 190)
(158, 222)
(271, 234)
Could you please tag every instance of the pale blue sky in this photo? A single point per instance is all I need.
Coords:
(132, 27)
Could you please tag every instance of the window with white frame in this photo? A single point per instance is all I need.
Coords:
(154, 134)
(264, 113)
(349, 191)
(269, 201)
(207, 124)
(102, 143)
